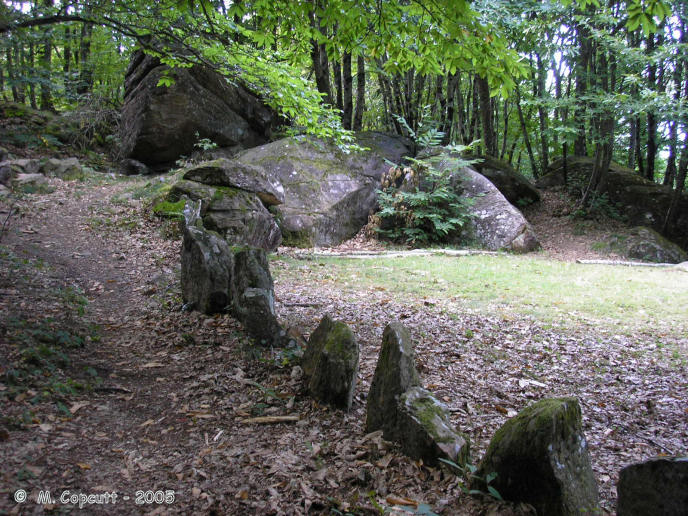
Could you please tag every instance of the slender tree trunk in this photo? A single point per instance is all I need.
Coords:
(360, 92)
(542, 112)
(347, 86)
(31, 68)
(12, 74)
(321, 65)
(672, 212)
(651, 114)
(337, 70)
(86, 68)
(582, 78)
(526, 138)
(505, 133)
(489, 137)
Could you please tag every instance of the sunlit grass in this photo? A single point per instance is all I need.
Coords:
(552, 291)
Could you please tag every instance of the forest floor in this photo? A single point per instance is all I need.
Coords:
(109, 386)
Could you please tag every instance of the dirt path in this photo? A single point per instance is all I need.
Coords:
(169, 397)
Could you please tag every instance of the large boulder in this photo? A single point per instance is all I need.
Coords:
(330, 363)
(513, 185)
(642, 243)
(237, 215)
(161, 123)
(642, 202)
(656, 487)
(541, 457)
(495, 223)
(328, 193)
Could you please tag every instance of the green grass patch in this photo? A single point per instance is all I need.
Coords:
(551, 291)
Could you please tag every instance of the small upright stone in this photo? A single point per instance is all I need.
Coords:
(425, 430)
(330, 363)
(657, 487)
(206, 266)
(67, 169)
(541, 457)
(394, 374)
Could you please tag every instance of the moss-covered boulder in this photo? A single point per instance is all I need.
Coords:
(330, 363)
(643, 243)
(328, 193)
(656, 487)
(225, 172)
(237, 215)
(395, 373)
(425, 432)
(541, 457)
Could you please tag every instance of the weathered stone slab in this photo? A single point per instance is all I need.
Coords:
(656, 487)
(425, 431)
(541, 457)
(67, 169)
(330, 363)
(394, 374)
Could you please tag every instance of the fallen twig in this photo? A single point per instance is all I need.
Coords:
(271, 420)
(627, 264)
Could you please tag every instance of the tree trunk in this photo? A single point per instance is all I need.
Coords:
(678, 189)
(46, 62)
(337, 71)
(11, 74)
(582, 78)
(651, 114)
(347, 87)
(489, 137)
(321, 65)
(31, 68)
(526, 138)
(360, 92)
(542, 112)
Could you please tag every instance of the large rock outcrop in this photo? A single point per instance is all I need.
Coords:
(541, 457)
(161, 123)
(328, 194)
(642, 202)
(656, 487)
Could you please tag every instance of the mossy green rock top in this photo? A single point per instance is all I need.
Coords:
(643, 243)
(541, 457)
(425, 432)
(330, 363)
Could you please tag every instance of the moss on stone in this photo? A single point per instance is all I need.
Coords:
(428, 413)
(172, 210)
(300, 239)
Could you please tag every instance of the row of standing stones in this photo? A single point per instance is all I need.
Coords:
(540, 456)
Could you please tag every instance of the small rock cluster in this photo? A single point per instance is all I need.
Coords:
(20, 174)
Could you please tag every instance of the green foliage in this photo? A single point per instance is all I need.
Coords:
(469, 479)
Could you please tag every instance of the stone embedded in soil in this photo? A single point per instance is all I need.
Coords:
(67, 169)
(541, 457)
(394, 374)
(425, 431)
(330, 363)
(654, 487)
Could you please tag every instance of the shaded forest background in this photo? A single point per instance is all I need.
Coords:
(531, 81)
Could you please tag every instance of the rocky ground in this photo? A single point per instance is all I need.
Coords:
(110, 386)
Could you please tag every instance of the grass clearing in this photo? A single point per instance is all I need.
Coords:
(635, 298)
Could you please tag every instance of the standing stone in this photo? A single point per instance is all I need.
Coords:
(394, 374)
(252, 295)
(330, 363)
(541, 457)
(657, 487)
(425, 430)
(206, 266)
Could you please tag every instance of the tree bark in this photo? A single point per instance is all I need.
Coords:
(360, 92)
(347, 87)
(526, 138)
(582, 78)
(542, 112)
(489, 137)
(651, 114)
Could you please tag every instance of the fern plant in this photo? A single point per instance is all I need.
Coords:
(419, 204)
